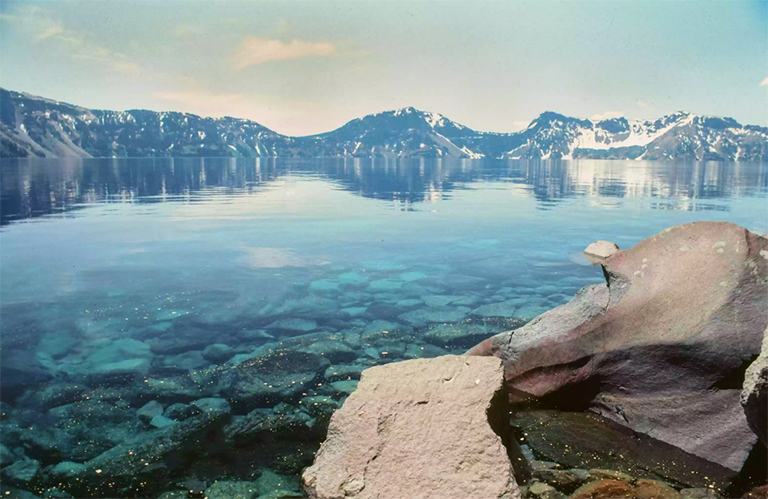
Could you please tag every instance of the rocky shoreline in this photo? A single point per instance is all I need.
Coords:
(611, 377)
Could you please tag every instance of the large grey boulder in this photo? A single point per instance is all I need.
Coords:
(754, 395)
(422, 428)
(662, 347)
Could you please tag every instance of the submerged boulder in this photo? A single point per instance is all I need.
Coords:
(419, 428)
(662, 348)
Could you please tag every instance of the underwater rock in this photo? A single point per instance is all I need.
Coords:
(563, 480)
(12, 493)
(19, 370)
(344, 371)
(612, 451)
(67, 469)
(264, 425)
(653, 489)
(319, 406)
(231, 490)
(184, 362)
(379, 328)
(599, 251)
(333, 350)
(274, 486)
(461, 335)
(439, 300)
(20, 472)
(324, 285)
(379, 446)
(54, 395)
(601, 474)
(161, 421)
(662, 349)
(180, 412)
(145, 460)
(212, 404)
(422, 317)
(273, 375)
(339, 388)
(355, 311)
(384, 285)
(6, 456)
(699, 493)
(294, 325)
(505, 308)
(149, 410)
(604, 489)
(423, 351)
(218, 353)
(754, 394)
(124, 371)
(541, 490)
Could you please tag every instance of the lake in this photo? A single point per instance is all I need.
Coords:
(172, 321)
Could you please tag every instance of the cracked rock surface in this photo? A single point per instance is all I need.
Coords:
(419, 429)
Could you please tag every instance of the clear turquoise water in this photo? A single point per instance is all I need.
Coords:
(174, 255)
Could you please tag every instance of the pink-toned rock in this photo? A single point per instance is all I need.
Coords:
(663, 347)
(422, 428)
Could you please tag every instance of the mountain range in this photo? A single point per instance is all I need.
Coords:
(36, 126)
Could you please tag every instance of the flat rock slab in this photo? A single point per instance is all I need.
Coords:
(421, 428)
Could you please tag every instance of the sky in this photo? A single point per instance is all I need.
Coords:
(304, 67)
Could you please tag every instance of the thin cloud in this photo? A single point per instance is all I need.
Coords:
(764, 83)
(204, 103)
(188, 30)
(642, 104)
(607, 115)
(45, 28)
(254, 50)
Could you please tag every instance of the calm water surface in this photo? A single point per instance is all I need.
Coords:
(118, 276)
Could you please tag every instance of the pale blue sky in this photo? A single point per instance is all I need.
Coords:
(303, 67)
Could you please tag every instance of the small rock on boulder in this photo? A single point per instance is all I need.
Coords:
(600, 250)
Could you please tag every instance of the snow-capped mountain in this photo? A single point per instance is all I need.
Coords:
(680, 135)
(35, 126)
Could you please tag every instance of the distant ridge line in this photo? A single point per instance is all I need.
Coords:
(36, 126)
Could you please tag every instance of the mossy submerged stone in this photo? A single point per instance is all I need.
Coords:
(653, 489)
(604, 489)
(21, 471)
(218, 353)
(232, 490)
(149, 410)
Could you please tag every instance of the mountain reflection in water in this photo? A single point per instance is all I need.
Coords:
(38, 187)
